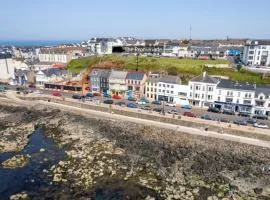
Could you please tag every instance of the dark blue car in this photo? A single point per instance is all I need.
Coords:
(131, 105)
(156, 102)
(107, 95)
(188, 107)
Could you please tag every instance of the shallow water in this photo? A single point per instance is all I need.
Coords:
(31, 177)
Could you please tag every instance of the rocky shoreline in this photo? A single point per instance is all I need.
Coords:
(108, 158)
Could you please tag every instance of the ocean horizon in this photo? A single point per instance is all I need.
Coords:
(36, 42)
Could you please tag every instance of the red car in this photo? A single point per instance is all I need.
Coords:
(56, 94)
(97, 94)
(190, 114)
(116, 97)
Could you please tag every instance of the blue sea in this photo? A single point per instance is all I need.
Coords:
(36, 42)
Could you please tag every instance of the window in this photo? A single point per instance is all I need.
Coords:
(147, 95)
(163, 85)
(152, 84)
(155, 89)
(246, 102)
(159, 85)
(218, 98)
(159, 90)
(259, 52)
(137, 88)
(197, 95)
(168, 91)
(246, 95)
(250, 57)
(210, 89)
(269, 105)
(147, 89)
(168, 85)
(191, 87)
(132, 82)
(202, 96)
(151, 89)
(197, 87)
(261, 97)
(251, 52)
(135, 82)
(148, 83)
(209, 97)
(258, 57)
(203, 88)
(171, 92)
(151, 96)
(172, 86)
(130, 88)
(249, 95)
(163, 91)
(237, 101)
(128, 81)
(139, 82)
(155, 84)
(238, 94)
(191, 95)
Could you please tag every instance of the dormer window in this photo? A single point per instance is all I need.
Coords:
(261, 97)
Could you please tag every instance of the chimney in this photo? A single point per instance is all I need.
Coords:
(204, 74)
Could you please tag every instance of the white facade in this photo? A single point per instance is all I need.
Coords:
(7, 67)
(58, 58)
(262, 102)
(186, 52)
(235, 96)
(41, 78)
(256, 53)
(202, 90)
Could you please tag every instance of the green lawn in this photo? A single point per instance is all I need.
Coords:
(187, 68)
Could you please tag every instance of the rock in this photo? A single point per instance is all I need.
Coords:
(42, 150)
(16, 161)
(212, 198)
(188, 193)
(258, 190)
(19, 196)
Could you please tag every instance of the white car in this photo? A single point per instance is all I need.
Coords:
(171, 104)
(141, 102)
(260, 125)
(37, 92)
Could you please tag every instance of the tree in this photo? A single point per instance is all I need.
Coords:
(239, 67)
(172, 71)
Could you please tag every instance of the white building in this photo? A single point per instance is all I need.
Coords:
(235, 96)
(169, 89)
(256, 53)
(262, 101)
(61, 55)
(151, 86)
(8, 66)
(117, 83)
(202, 90)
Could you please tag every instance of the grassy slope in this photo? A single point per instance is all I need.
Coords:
(186, 67)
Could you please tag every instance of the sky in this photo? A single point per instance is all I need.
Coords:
(83, 19)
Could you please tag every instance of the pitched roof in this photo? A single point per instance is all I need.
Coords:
(235, 85)
(264, 90)
(118, 75)
(54, 71)
(135, 75)
(170, 79)
(205, 78)
(105, 73)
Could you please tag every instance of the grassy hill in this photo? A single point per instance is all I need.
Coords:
(187, 68)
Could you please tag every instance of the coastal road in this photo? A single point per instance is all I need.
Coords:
(177, 128)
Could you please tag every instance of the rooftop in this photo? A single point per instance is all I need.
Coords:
(235, 85)
(105, 73)
(118, 75)
(170, 79)
(264, 90)
(135, 75)
(204, 78)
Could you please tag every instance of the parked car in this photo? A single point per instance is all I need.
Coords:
(141, 102)
(251, 120)
(97, 94)
(157, 109)
(207, 117)
(190, 114)
(228, 112)
(264, 117)
(156, 102)
(188, 107)
(213, 109)
(132, 99)
(245, 114)
(171, 104)
(89, 95)
(76, 96)
(37, 92)
(240, 122)
(145, 100)
(120, 103)
(108, 101)
(56, 94)
(107, 95)
(223, 119)
(173, 111)
(116, 97)
(260, 125)
(131, 105)
(147, 107)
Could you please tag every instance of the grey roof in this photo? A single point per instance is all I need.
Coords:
(118, 75)
(235, 85)
(104, 73)
(170, 79)
(5, 55)
(259, 42)
(135, 75)
(52, 71)
(19, 72)
(205, 78)
(152, 79)
(264, 90)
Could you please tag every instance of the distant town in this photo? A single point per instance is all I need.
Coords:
(47, 68)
